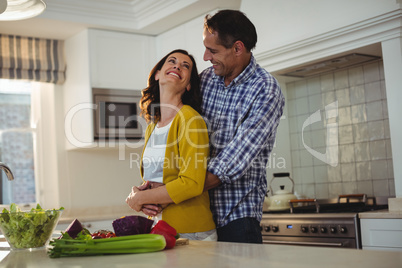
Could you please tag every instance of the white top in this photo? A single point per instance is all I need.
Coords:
(154, 154)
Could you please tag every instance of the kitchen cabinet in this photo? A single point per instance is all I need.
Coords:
(103, 59)
(381, 234)
(120, 60)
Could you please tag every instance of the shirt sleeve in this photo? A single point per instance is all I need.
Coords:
(256, 132)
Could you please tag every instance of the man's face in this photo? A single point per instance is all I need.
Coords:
(222, 59)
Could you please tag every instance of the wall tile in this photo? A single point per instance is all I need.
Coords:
(362, 151)
(362, 142)
(374, 111)
(301, 88)
(371, 72)
(327, 82)
(349, 187)
(341, 79)
(313, 85)
(347, 153)
(360, 132)
(376, 130)
(357, 95)
(321, 191)
(320, 174)
(291, 106)
(363, 171)
(334, 173)
(356, 76)
(342, 95)
(318, 138)
(365, 187)
(373, 91)
(335, 189)
(358, 113)
(345, 134)
(378, 150)
(315, 103)
(302, 106)
(307, 175)
(344, 114)
(348, 171)
(379, 169)
(380, 188)
(291, 91)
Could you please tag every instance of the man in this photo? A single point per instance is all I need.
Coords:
(242, 105)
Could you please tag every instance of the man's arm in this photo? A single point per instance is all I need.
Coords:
(211, 181)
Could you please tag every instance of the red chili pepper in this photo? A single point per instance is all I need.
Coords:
(163, 228)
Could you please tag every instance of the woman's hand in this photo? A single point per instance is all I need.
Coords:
(133, 199)
(148, 209)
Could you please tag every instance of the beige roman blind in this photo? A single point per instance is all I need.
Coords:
(32, 59)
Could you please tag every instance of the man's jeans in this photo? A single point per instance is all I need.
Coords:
(245, 230)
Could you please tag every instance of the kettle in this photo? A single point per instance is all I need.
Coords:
(280, 199)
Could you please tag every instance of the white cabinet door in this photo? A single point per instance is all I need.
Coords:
(120, 60)
(385, 234)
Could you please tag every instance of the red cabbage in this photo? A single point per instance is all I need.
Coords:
(74, 228)
(131, 225)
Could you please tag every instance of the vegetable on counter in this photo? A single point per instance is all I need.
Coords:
(168, 232)
(74, 228)
(28, 229)
(103, 234)
(140, 243)
(131, 225)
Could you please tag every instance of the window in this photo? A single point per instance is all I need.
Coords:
(17, 142)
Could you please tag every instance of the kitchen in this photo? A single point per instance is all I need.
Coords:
(289, 37)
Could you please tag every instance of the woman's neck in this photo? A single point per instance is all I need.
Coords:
(170, 105)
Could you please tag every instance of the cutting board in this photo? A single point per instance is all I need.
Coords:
(182, 241)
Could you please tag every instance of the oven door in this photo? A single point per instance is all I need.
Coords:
(310, 241)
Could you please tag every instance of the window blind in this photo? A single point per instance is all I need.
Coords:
(32, 59)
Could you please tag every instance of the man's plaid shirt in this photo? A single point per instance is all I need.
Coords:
(242, 119)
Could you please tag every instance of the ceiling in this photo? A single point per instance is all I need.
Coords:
(64, 18)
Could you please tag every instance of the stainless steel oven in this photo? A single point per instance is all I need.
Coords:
(117, 114)
(326, 223)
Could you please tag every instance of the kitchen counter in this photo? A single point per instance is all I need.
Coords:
(381, 214)
(216, 254)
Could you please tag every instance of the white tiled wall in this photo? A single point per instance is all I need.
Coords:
(360, 132)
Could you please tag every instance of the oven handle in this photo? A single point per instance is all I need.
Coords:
(303, 243)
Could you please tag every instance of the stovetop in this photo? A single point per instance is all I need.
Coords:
(334, 206)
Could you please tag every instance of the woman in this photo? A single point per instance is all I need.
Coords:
(176, 149)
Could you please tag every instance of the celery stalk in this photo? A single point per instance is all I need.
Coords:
(116, 245)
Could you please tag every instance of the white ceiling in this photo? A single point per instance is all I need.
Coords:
(64, 18)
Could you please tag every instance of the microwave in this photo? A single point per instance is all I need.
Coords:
(117, 114)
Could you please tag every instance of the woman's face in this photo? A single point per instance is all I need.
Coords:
(176, 71)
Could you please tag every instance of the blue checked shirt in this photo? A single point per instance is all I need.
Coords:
(242, 119)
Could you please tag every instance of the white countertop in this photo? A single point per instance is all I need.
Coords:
(381, 214)
(216, 254)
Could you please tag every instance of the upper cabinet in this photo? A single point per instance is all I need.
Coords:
(102, 59)
(120, 60)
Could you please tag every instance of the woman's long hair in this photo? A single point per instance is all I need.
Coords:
(150, 95)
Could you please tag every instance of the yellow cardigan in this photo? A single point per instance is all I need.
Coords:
(184, 172)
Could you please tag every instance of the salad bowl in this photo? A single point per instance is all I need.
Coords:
(28, 229)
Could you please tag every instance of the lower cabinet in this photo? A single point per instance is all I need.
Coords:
(381, 234)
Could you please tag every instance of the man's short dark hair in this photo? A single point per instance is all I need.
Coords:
(232, 26)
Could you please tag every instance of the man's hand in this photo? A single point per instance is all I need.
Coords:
(211, 181)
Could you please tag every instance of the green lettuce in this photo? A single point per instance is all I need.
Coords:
(28, 229)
